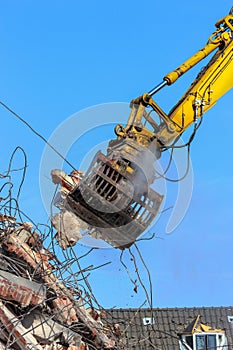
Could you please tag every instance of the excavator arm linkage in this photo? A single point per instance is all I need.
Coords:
(115, 198)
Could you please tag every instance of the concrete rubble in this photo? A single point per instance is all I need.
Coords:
(37, 310)
(67, 224)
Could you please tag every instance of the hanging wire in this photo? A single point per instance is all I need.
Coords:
(36, 133)
(43, 261)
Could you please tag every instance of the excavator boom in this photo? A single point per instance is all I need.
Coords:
(115, 198)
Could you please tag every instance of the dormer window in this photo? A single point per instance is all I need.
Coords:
(199, 336)
(204, 341)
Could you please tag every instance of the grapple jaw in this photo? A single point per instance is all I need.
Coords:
(115, 197)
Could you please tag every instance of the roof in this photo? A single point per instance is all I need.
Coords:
(144, 329)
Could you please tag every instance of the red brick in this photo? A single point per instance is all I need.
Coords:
(21, 294)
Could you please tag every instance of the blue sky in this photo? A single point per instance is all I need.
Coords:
(61, 57)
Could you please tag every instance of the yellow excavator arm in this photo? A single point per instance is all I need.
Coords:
(115, 198)
(214, 80)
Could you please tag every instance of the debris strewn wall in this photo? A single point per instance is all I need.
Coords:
(37, 309)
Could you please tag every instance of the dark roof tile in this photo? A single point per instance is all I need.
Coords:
(168, 323)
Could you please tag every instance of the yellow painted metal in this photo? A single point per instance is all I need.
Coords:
(212, 45)
(210, 85)
(219, 37)
(214, 80)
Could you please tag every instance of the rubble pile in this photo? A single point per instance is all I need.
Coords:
(37, 309)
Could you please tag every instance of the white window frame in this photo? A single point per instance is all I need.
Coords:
(221, 344)
(148, 321)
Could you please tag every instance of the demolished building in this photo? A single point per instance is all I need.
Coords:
(37, 310)
(44, 307)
